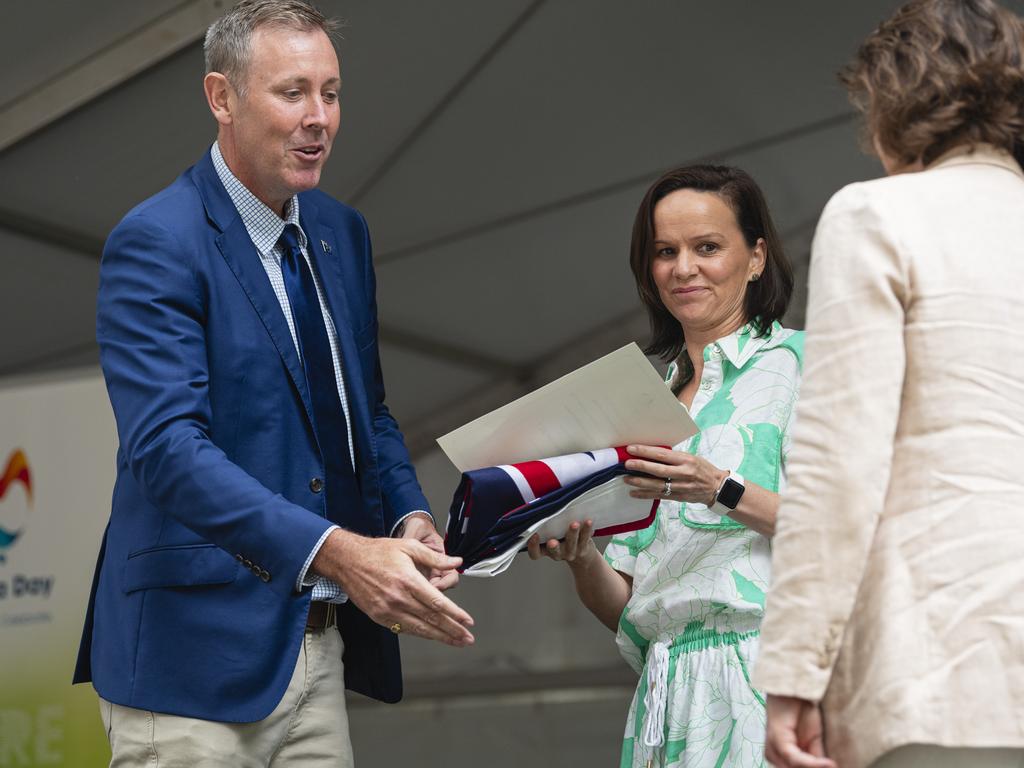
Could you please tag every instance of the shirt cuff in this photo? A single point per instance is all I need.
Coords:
(303, 580)
(403, 518)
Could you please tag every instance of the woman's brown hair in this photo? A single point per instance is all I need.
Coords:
(766, 299)
(941, 74)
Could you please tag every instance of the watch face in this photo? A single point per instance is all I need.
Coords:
(730, 493)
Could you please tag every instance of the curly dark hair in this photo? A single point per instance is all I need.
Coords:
(940, 74)
(765, 300)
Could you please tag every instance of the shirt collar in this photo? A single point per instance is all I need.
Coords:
(261, 222)
(743, 343)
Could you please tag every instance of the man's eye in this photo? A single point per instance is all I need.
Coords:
(293, 94)
(330, 97)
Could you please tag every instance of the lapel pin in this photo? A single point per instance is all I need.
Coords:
(325, 246)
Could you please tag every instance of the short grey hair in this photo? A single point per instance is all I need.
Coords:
(228, 43)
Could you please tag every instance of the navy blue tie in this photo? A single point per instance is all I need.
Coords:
(330, 425)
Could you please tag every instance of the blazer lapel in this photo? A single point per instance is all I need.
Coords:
(241, 256)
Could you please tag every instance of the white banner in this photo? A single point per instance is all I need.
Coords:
(57, 464)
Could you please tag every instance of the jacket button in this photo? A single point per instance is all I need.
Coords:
(316, 485)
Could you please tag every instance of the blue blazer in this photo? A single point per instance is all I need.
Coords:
(193, 608)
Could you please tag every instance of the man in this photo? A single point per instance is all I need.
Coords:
(259, 472)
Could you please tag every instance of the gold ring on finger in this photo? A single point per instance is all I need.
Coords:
(396, 628)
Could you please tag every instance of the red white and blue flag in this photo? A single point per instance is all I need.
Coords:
(495, 509)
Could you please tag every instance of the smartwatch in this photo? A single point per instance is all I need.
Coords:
(728, 496)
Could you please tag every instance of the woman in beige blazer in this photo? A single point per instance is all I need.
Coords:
(897, 608)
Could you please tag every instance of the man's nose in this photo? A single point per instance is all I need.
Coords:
(316, 113)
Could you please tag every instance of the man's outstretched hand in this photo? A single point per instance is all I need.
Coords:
(390, 581)
(420, 527)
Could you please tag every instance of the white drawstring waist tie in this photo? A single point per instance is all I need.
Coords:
(656, 699)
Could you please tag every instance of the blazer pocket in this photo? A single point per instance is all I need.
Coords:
(189, 565)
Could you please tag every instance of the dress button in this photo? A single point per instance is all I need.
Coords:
(264, 576)
(705, 385)
(239, 558)
(316, 485)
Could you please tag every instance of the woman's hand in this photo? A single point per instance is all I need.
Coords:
(795, 737)
(602, 589)
(694, 480)
(577, 549)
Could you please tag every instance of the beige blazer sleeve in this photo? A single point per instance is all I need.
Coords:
(840, 461)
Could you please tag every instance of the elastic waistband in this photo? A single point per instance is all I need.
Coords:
(695, 638)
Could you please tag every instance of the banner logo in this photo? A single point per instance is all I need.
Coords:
(16, 471)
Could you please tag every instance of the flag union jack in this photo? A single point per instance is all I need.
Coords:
(495, 509)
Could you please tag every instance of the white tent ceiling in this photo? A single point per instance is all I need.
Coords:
(498, 150)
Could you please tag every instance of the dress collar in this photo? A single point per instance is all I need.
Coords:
(743, 343)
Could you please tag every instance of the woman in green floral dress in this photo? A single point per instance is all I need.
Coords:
(686, 595)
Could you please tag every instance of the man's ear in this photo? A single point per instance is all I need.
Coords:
(219, 97)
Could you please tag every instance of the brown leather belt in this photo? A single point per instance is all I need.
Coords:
(321, 616)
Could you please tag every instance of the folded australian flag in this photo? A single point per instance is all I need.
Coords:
(496, 509)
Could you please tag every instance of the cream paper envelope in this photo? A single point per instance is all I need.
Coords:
(618, 399)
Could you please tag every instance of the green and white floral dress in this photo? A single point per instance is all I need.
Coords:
(691, 627)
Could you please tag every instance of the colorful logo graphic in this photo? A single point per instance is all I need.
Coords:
(16, 471)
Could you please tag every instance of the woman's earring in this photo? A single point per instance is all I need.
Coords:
(754, 277)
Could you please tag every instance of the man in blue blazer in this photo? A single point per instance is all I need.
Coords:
(264, 496)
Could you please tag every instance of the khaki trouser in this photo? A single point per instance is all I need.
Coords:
(930, 756)
(308, 728)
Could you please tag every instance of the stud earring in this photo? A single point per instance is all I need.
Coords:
(754, 277)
